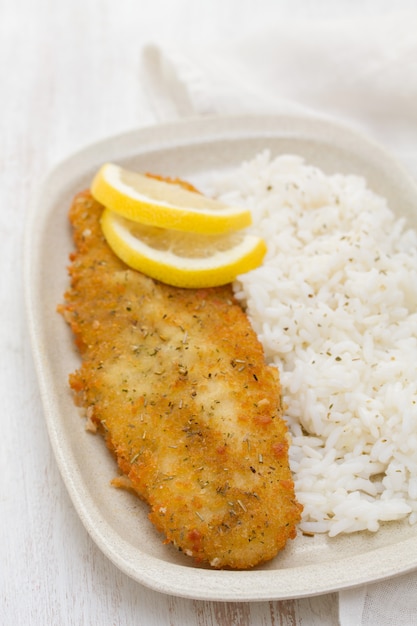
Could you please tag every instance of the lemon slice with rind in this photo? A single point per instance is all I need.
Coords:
(158, 203)
(179, 258)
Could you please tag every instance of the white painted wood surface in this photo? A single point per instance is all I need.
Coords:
(69, 76)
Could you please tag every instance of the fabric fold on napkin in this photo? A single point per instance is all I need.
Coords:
(360, 72)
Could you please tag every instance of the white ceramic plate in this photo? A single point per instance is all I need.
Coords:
(116, 520)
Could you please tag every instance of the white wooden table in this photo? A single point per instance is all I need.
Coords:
(69, 76)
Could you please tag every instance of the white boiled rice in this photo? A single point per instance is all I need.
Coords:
(335, 306)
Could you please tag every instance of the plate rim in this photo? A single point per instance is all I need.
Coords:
(218, 585)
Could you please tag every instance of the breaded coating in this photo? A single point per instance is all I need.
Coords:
(176, 381)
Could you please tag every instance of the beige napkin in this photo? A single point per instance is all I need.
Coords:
(361, 72)
(389, 603)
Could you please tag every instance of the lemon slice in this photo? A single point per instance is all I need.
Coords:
(179, 258)
(158, 203)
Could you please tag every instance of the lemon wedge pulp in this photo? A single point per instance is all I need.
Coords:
(158, 203)
(182, 259)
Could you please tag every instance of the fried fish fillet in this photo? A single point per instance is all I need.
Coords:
(175, 379)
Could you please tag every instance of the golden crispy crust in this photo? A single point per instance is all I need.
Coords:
(176, 381)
